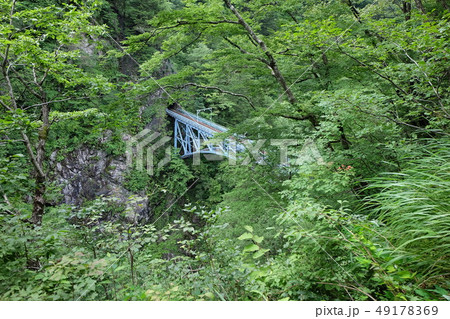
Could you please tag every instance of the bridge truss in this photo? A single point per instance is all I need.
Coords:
(192, 135)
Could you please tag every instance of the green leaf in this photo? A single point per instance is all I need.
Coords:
(404, 274)
(251, 248)
(249, 228)
(258, 239)
(209, 295)
(57, 276)
(422, 293)
(440, 290)
(245, 236)
(120, 268)
(260, 253)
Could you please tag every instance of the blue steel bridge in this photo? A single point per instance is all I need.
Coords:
(192, 134)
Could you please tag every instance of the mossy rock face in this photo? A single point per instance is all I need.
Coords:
(87, 173)
(90, 189)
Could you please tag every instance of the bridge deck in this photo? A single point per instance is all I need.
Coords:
(196, 121)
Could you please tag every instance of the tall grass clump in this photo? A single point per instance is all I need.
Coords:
(414, 205)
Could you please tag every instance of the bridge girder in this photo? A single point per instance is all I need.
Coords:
(192, 133)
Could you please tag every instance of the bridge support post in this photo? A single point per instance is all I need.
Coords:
(175, 135)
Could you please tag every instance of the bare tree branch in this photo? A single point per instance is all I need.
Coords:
(272, 63)
(217, 89)
(420, 6)
(34, 161)
(187, 45)
(391, 119)
(56, 101)
(428, 80)
(244, 51)
(180, 23)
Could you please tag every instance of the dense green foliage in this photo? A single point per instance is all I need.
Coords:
(360, 212)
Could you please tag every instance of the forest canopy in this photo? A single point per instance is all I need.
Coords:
(361, 86)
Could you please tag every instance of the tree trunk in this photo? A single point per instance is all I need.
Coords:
(420, 6)
(354, 11)
(343, 138)
(444, 4)
(38, 201)
(36, 159)
(406, 8)
(40, 179)
(271, 62)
